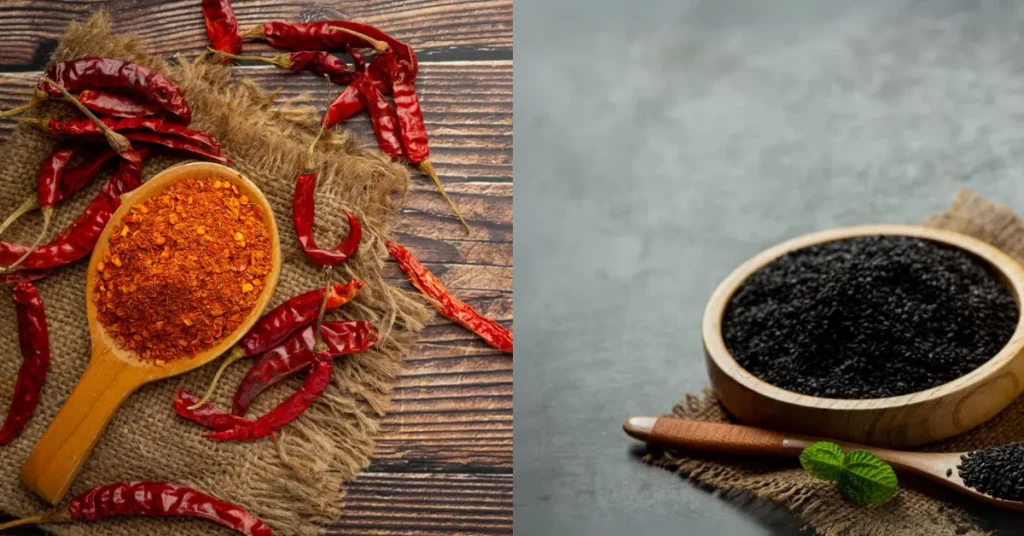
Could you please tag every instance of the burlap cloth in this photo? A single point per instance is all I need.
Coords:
(294, 483)
(918, 508)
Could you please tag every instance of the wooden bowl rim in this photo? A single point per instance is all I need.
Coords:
(102, 340)
(715, 348)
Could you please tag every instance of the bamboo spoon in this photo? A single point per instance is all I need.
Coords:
(114, 373)
(719, 438)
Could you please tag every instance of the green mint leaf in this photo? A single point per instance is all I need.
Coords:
(823, 460)
(866, 479)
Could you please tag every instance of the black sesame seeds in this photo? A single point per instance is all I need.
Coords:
(995, 471)
(868, 317)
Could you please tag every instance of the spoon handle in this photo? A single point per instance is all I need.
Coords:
(714, 438)
(52, 466)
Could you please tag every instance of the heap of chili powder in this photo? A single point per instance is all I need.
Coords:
(183, 269)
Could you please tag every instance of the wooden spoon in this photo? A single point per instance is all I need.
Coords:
(114, 373)
(719, 438)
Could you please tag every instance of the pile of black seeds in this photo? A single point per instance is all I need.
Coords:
(996, 471)
(868, 317)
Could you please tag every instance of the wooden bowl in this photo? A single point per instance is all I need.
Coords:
(114, 373)
(899, 421)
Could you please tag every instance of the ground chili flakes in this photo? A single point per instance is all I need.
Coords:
(183, 269)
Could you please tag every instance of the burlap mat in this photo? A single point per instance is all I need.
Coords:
(918, 508)
(293, 483)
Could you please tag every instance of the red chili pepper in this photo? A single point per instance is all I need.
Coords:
(109, 74)
(383, 117)
(50, 177)
(449, 306)
(177, 145)
(285, 319)
(313, 386)
(324, 35)
(35, 351)
(28, 276)
(345, 105)
(160, 499)
(88, 129)
(222, 26)
(114, 105)
(208, 414)
(317, 62)
(342, 337)
(78, 177)
(411, 126)
(303, 212)
(78, 239)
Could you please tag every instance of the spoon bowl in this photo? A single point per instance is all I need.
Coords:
(114, 373)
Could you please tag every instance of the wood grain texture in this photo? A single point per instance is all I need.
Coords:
(427, 504)
(444, 459)
(445, 29)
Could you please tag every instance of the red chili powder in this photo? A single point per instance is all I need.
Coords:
(183, 269)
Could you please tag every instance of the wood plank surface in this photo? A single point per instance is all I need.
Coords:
(444, 458)
(437, 30)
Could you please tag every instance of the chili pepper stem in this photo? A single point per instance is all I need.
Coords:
(380, 46)
(118, 142)
(236, 354)
(256, 32)
(34, 102)
(427, 168)
(30, 204)
(47, 216)
(34, 520)
(279, 60)
(320, 346)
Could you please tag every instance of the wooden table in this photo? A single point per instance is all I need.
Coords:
(444, 458)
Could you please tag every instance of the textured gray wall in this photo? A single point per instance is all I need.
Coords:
(659, 145)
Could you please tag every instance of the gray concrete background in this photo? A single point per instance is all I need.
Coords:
(659, 145)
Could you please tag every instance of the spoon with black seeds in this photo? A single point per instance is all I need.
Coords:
(994, 475)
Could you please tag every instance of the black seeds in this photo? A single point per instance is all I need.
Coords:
(996, 471)
(949, 473)
(868, 317)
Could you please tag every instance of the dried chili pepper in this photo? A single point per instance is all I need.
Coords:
(35, 350)
(205, 414)
(329, 35)
(109, 74)
(78, 177)
(449, 306)
(302, 215)
(88, 129)
(321, 35)
(177, 144)
(383, 117)
(114, 105)
(78, 239)
(313, 386)
(117, 142)
(160, 499)
(341, 337)
(344, 106)
(412, 128)
(48, 186)
(281, 322)
(317, 62)
(18, 276)
(222, 26)
(73, 180)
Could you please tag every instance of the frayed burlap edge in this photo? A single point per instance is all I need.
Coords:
(294, 483)
(916, 510)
